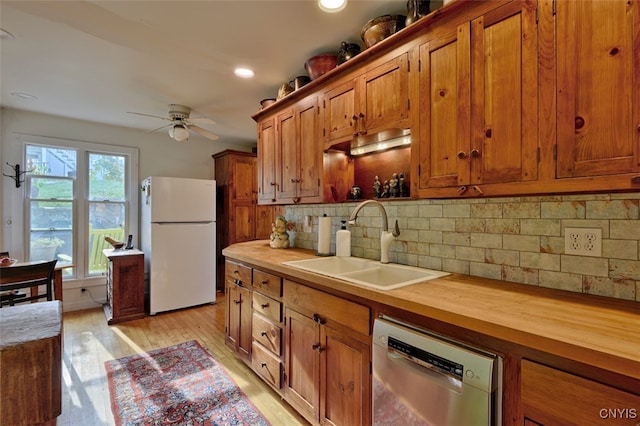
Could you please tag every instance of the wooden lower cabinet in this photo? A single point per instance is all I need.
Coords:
(554, 397)
(125, 285)
(326, 363)
(238, 312)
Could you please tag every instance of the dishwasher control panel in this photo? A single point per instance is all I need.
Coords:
(423, 357)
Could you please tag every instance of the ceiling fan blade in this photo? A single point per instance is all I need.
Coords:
(149, 115)
(164, 126)
(201, 121)
(207, 134)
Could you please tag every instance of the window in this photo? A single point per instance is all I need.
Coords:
(76, 195)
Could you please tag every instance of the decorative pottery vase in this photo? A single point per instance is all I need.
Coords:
(347, 51)
(416, 9)
(279, 237)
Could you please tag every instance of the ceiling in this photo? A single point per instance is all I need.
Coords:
(97, 60)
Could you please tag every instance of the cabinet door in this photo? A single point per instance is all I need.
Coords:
(598, 88)
(445, 110)
(287, 156)
(485, 132)
(340, 108)
(264, 219)
(242, 222)
(345, 379)
(385, 103)
(239, 319)
(309, 150)
(504, 106)
(243, 179)
(301, 387)
(266, 161)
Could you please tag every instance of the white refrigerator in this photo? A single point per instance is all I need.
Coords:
(178, 238)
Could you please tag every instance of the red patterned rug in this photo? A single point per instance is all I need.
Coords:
(178, 385)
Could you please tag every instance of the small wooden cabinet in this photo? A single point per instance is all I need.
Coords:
(327, 357)
(238, 312)
(125, 285)
(554, 397)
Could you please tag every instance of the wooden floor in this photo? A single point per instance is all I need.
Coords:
(89, 342)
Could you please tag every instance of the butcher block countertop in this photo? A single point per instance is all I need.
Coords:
(597, 331)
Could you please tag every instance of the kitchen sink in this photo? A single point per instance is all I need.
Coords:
(370, 273)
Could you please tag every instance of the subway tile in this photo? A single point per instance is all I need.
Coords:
(521, 210)
(486, 240)
(456, 210)
(625, 269)
(561, 281)
(502, 226)
(502, 257)
(554, 245)
(456, 238)
(430, 210)
(624, 229)
(540, 227)
(520, 275)
(620, 249)
(563, 210)
(442, 224)
(456, 266)
(548, 262)
(430, 262)
(470, 225)
(474, 254)
(485, 270)
(413, 223)
(584, 265)
(486, 210)
(614, 209)
(442, 250)
(521, 242)
(610, 287)
(430, 237)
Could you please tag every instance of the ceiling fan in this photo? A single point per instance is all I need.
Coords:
(180, 123)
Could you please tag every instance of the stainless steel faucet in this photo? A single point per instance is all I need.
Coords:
(385, 236)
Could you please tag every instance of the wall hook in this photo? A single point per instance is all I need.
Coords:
(17, 176)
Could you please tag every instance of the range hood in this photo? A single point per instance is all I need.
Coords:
(381, 141)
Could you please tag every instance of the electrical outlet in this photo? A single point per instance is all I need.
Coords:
(308, 222)
(583, 241)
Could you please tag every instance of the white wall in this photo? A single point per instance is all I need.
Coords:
(158, 155)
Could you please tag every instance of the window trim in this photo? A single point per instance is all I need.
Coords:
(81, 202)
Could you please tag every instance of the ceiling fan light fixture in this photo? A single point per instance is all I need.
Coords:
(243, 72)
(332, 6)
(178, 132)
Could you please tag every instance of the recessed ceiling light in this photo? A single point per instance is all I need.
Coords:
(24, 96)
(5, 35)
(332, 6)
(244, 72)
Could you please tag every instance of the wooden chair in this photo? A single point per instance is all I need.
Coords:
(97, 261)
(27, 276)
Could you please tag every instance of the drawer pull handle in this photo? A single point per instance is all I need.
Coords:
(264, 282)
(317, 318)
(317, 347)
(263, 333)
(237, 282)
(264, 305)
(236, 301)
(263, 365)
(236, 271)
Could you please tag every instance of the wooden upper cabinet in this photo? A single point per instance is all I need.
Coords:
(286, 154)
(243, 179)
(371, 102)
(267, 184)
(479, 109)
(598, 88)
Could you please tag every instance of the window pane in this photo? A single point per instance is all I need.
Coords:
(51, 161)
(51, 188)
(51, 230)
(106, 177)
(105, 220)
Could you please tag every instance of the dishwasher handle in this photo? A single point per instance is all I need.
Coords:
(426, 370)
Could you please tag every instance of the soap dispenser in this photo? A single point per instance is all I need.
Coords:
(343, 241)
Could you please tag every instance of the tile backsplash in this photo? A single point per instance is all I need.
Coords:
(518, 239)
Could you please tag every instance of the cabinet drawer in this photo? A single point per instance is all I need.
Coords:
(266, 365)
(267, 333)
(309, 301)
(268, 307)
(237, 273)
(268, 284)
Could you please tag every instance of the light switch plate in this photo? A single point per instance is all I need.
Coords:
(583, 241)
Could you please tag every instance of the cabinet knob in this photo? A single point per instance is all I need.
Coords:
(264, 305)
(579, 123)
(462, 190)
(488, 133)
(236, 301)
(475, 153)
(317, 347)
(317, 318)
(478, 190)
(462, 155)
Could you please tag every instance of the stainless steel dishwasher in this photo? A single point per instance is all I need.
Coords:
(420, 378)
